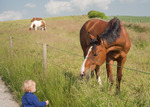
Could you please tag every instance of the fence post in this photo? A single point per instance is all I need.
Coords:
(140, 20)
(130, 20)
(11, 47)
(45, 57)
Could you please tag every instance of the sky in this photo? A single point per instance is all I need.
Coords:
(27, 9)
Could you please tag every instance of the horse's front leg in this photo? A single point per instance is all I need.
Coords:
(97, 75)
(120, 63)
(87, 75)
(42, 27)
(92, 74)
(35, 28)
(45, 29)
(109, 63)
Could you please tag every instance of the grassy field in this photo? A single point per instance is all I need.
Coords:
(61, 84)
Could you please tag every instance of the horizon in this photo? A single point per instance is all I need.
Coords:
(18, 9)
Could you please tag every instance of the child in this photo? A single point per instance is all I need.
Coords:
(29, 99)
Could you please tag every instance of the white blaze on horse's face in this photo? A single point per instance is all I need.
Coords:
(83, 65)
(83, 69)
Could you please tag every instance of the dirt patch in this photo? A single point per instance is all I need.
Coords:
(6, 99)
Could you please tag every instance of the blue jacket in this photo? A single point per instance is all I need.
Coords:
(31, 100)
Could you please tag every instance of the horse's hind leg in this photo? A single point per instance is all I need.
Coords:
(109, 63)
(120, 62)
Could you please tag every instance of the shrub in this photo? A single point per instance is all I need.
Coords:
(93, 14)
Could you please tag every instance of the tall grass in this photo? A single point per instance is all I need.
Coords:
(61, 83)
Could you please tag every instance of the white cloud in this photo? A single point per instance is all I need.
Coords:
(30, 5)
(56, 7)
(127, 1)
(131, 1)
(10, 15)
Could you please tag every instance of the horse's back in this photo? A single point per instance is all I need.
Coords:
(39, 22)
(36, 18)
(98, 27)
(94, 27)
(126, 38)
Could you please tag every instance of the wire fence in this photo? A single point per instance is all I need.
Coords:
(45, 46)
(68, 52)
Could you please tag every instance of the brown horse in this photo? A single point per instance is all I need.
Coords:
(104, 41)
(38, 24)
(36, 18)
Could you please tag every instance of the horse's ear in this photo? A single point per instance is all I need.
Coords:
(92, 37)
(99, 40)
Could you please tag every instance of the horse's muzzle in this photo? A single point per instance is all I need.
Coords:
(30, 29)
(82, 74)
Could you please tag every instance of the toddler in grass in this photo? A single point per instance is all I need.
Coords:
(29, 99)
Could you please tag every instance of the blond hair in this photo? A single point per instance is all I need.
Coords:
(28, 85)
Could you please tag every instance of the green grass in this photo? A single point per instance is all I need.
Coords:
(61, 83)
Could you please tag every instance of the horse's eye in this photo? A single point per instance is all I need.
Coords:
(95, 54)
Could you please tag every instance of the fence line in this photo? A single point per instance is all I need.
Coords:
(11, 43)
(45, 57)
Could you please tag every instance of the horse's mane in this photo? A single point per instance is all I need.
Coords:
(112, 33)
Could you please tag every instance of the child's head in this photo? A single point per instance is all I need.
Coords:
(29, 86)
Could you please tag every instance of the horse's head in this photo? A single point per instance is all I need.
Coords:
(30, 28)
(96, 55)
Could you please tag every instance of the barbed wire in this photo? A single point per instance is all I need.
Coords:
(98, 60)
(59, 66)
(88, 58)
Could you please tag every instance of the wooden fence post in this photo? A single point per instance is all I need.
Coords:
(140, 20)
(45, 57)
(11, 47)
(130, 20)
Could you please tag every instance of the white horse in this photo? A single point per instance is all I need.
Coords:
(38, 24)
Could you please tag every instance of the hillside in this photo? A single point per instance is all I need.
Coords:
(61, 83)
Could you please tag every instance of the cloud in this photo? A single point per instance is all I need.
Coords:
(131, 1)
(127, 1)
(56, 7)
(10, 15)
(30, 5)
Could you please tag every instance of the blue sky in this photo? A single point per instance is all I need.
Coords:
(27, 9)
